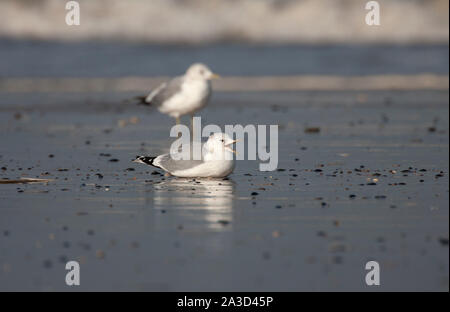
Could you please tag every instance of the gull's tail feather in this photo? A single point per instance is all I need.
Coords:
(137, 100)
(147, 160)
(141, 100)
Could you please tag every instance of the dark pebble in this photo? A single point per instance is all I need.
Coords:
(266, 255)
(338, 260)
(85, 246)
(321, 234)
(63, 259)
(135, 245)
(48, 264)
(66, 244)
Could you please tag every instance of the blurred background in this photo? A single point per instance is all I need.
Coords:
(206, 21)
(236, 37)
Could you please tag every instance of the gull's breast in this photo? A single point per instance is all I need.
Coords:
(193, 96)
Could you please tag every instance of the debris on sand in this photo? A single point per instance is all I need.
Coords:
(223, 222)
(312, 129)
(100, 254)
(125, 122)
(24, 181)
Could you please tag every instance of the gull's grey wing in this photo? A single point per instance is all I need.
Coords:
(165, 91)
(169, 164)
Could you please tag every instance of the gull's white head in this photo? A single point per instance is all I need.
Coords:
(200, 71)
(219, 147)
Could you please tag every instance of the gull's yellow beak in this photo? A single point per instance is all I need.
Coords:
(227, 146)
(215, 76)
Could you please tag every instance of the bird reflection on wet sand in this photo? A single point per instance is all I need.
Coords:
(202, 202)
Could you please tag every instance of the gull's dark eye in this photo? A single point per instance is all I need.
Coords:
(223, 141)
(202, 71)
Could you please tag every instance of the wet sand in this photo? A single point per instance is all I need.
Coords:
(369, 183)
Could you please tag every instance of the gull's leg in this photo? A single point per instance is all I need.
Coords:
(192, 127)
(192, 136)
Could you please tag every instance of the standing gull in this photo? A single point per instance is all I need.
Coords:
(217, 160)
(183, 94)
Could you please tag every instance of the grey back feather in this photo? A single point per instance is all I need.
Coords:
(165, 91)
(169, 164)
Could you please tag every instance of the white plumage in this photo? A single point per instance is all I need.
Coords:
(217, 160)
(184, 94)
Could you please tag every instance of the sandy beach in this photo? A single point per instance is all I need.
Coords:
(370, 184)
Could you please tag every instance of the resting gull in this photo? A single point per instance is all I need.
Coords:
(217, 160)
